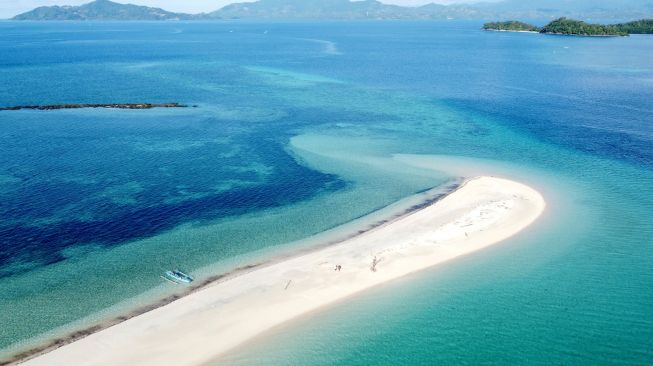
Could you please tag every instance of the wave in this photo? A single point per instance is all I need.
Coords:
(328, 47)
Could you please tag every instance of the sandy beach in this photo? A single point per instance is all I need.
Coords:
(199, 327)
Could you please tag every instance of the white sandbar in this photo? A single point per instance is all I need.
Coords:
(199, 327)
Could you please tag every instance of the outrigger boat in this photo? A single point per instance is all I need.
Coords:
(178, 276)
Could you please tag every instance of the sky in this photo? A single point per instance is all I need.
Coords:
(9, 8)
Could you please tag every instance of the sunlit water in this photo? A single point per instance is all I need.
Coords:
(300, 128)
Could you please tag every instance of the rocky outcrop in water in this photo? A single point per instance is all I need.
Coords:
(80, 106)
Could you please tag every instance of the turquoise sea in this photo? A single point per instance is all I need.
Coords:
(301, 128)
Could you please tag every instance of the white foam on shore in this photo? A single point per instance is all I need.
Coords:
(205, 324)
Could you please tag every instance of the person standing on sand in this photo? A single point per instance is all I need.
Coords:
(374, 263)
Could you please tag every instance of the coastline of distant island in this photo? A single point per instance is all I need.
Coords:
(107, 10)
(571, 27)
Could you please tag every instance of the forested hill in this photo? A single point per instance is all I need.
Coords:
(101, 10)
(644, 26)
(579, 28)
(355, 10)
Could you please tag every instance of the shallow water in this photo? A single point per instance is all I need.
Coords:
(295, 133)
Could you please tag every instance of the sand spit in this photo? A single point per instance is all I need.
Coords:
(197, 328)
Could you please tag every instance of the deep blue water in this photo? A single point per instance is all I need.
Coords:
(93, 199)
(101, 183)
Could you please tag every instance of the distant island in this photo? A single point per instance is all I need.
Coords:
(571, 27)
(102, 10)
(511, 26)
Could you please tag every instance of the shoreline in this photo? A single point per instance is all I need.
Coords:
(433, 195)
(227, 310)
(556, 34)
(510, 31)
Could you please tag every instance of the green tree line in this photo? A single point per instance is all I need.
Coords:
(577, 27)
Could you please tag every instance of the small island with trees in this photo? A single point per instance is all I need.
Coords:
(511, 26)
(570, 27)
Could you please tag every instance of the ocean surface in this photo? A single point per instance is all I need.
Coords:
(296, 129)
